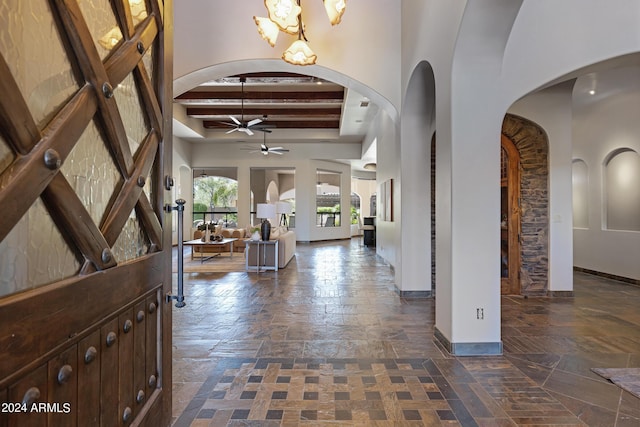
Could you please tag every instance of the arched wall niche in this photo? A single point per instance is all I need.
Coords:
(532, 144)
(622, 190)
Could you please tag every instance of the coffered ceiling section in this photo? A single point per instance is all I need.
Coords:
(279, 103)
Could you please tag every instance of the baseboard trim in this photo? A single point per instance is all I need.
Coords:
(414, 294)
(560, 294)
(468, 349)
(608, 276)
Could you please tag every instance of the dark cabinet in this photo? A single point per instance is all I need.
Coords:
(369, 230)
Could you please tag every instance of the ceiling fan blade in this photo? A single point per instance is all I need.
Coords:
(276, 152)
(236, 121)
(278, 149)
(247, 131)
(226, 124)
(232, 130)
(254, 122)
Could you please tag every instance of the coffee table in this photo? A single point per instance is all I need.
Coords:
(221, 243)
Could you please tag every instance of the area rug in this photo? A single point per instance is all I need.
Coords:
(626, 378)
(222, 263)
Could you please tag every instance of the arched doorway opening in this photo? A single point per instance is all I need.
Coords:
(532, 145)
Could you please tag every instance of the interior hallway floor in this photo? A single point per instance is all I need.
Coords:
(328, 341)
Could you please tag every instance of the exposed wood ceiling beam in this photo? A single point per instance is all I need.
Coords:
(282, 124)
(204, 112)
(284, 96)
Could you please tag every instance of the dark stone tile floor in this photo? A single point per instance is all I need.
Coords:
(328, 341)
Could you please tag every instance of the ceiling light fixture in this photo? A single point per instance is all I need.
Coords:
(286, 16)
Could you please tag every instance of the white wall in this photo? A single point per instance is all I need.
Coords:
(601, 127)
(388, 232)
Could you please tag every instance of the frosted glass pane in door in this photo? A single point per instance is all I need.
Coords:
(29, 37)
(132, 242)
(102, 25)
(6, 155)
(34, 253)
(92, 173)
(131, 112)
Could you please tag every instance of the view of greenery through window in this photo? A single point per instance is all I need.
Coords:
(217, 195)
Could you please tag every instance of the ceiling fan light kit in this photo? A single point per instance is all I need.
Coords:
(286, 16)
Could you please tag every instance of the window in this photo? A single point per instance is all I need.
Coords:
(215, 195)
(328, 198)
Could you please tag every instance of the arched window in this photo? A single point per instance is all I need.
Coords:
(580, 182)
(622, 190)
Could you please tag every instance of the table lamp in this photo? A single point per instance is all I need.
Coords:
(265, 211)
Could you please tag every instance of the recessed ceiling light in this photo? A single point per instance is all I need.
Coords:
(592, 92)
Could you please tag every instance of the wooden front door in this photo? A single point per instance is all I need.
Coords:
(509, 218)
(85, 143)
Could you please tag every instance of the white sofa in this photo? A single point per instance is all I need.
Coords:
(286, 251)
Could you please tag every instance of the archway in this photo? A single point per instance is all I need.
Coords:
(417, 178)
(532, 144)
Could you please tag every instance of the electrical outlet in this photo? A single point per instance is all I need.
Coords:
(480, 313)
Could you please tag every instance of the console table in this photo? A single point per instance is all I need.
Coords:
(261, 250)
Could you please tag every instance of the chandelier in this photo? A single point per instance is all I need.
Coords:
(286, 16)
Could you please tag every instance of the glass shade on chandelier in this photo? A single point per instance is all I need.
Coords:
(335, 9)
(299, 53)
(268, 29)
(284, 13)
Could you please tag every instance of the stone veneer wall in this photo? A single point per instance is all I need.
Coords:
(532, 143)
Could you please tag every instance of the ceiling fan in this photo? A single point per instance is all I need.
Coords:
(241, 125)
(265, 150)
